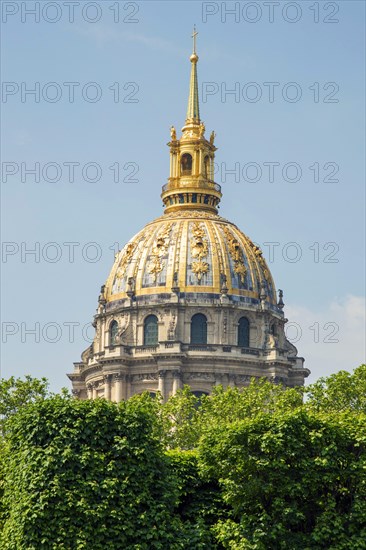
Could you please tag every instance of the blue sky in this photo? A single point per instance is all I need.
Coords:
(312, 131)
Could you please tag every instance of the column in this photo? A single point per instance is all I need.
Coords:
(118, 387)
(94, 391)
(231, 378)
(107, 387)
(177, 381)
(103, 330)
(218, 379)
(175, 171)
(127, 387)
(161, 386)
(89, 389)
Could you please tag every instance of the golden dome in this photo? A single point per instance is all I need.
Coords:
(191, 251)
(190, 298)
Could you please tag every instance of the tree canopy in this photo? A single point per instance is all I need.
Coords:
(15, 393)
(262, 467)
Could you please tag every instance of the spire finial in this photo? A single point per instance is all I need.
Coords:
(193, 111)
(194, 36)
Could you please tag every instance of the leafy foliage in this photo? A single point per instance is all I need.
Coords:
(187, 418)
(293, 480)
(339, 392)
(83, 474)
(291, 474)
(200, 504)
(15, 393)
(255, 468)
(181, 420)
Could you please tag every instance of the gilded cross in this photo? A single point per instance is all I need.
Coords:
(194, 35)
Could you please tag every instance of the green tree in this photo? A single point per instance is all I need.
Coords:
(15, 393)
(252, 468)
(339, 392)
(87, 474)
(289, 472)
(181, 420)
(186, 418)
(200, 505)
(293, 480)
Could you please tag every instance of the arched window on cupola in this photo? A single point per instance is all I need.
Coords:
(243, 333)
(186, 164)
(151, 330)
(113, 333)
(198, 329)
(206, 166)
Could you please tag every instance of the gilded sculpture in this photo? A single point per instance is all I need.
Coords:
(199, 250)
(236, 254)
(159, 250)
(125, 257)
(259, 256)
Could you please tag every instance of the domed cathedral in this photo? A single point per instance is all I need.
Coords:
(190, 298)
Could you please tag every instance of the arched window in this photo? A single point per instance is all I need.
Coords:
(243, 333)
(186, 164)
(113, 331)
(206, 164)
(151, 330)
(198, 329)
(199, 394)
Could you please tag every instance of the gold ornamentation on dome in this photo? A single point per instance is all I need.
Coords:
(159, 250)
(240, 270)
(264, 268)
(200, 268)
(126, 256)
(191, 215)
(155, 268)
(202, 129)
(173, 133)
(236, 254)
(199, 243)
(257, 250)
(259, 255)
(212, 137)
(199, 250)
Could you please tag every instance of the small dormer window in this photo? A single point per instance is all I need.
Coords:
(186, 164)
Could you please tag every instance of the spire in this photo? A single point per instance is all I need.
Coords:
(193, 111)
(191, 177)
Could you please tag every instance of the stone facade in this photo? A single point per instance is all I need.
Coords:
(125, 367)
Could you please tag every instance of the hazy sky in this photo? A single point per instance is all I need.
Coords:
(283, 86)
